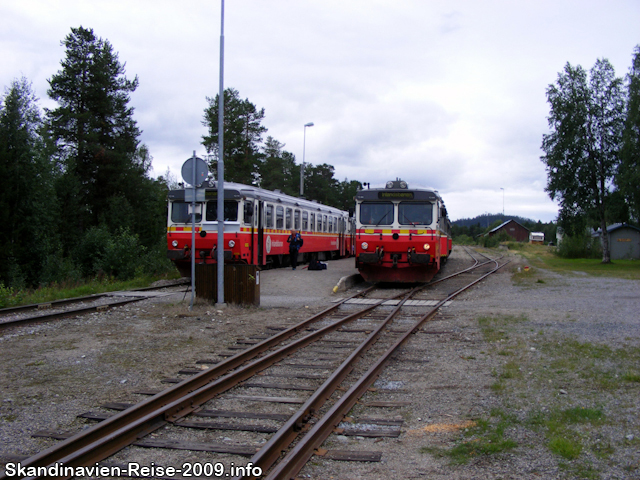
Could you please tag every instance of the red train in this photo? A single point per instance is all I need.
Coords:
(402, 234)
(257, 224)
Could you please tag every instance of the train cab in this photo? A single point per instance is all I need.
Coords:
(402, 234)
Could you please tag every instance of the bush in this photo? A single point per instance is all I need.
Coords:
(58, 269)
(6, 295)
(580, 246)
(494, 240)
(91, 250)
(121, 256)
(155, 262)
(117, 255)
(463, 240)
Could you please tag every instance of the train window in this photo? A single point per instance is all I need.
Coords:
(279, 217)
(268, 216)
(376, 213)
(312, 222)
(230, 211)
(296, 219)
(305, 221)
(248, 212)
(415, 213)
(330, 224)
(180, 213)
(319, 222)
(288, 219)
(324, 223)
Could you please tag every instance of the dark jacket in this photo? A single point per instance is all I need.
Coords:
(295, 242)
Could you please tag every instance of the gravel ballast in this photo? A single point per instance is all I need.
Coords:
(505, 365)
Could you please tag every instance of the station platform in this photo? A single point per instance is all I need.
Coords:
(284, 287)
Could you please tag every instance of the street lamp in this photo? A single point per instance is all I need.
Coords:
(304, 141)
(502, 202)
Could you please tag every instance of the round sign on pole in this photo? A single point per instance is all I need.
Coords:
(200, 168)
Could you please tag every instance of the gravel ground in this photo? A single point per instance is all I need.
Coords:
(500, 367)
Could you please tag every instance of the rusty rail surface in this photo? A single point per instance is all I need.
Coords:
(295, 459)
(69, 301)
(111, 435)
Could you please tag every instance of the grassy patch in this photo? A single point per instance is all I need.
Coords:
(486, 438)
(494, 328)
(10, 298)
(545, 257)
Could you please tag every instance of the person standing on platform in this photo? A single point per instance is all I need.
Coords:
(295, 242)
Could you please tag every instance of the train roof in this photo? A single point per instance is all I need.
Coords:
(398, 190)
(238, 190)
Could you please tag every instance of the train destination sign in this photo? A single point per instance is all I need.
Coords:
(395, 195)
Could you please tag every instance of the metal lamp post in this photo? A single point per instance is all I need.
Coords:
(304, 141)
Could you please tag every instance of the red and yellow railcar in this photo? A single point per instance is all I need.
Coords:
(257, 223)
(402, 234)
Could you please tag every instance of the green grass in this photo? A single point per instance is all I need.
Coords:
(10, 298)
(557, 424)
(486, 438)
(544, 257)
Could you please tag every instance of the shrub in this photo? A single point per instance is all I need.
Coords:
(121, 255)
(463, 240)
(580, 246)
(91, 250)
(155, 261)
(57, 269)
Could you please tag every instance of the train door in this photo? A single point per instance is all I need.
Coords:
(260, 236)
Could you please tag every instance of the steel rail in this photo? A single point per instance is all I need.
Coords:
(36, 306)
(67, 313)
(67, 301)
(111, 435)
(271, 451)
(293, 462)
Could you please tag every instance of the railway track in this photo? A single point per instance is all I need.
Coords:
(44, 312)
(332, 359)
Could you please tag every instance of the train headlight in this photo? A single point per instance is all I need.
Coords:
(174, 244)
(426, 246)
(365, 245)
(232, 244)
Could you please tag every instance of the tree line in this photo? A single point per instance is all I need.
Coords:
(76, 196)
(249, 160)
(468, 231)
(592, 154)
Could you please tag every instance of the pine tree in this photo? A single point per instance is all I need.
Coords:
(27, 199)
(243, 131)
(94, 131)
(278, 169)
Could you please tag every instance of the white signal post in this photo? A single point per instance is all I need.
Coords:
(220, 250)
(304, 141)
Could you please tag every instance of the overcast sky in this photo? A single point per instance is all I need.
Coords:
(445, 94)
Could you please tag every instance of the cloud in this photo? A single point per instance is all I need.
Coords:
(445, 95)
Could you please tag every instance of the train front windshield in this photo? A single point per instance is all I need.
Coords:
(230, 211)
(376, 213)
(415, 213)
(180, 212)
(409, 213)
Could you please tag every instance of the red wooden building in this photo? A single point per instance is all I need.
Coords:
(513, 229)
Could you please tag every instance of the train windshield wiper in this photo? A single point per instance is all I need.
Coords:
(383, 218)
